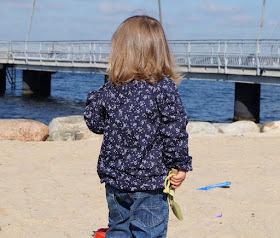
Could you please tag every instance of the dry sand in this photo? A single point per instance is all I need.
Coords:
(51, 189)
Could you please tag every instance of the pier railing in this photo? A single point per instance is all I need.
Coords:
(251, 54)
(230, 53)
(88, 52)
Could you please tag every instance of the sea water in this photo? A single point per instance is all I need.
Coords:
(210, 101)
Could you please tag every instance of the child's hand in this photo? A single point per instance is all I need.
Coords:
(176, 180)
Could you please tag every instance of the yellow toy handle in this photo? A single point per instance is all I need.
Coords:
(167, 180)
(171, 194)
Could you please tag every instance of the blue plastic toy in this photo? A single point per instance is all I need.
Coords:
(216, 186)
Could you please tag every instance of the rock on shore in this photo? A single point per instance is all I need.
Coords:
(235, 128)
(200, 127)
(240, 128)
(69, 128)
(23, 130)
(271, 127)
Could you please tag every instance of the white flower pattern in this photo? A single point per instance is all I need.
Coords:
(144, 127)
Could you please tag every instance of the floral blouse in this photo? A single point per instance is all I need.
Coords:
(144, 127)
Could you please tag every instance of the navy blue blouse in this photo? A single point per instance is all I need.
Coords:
(144, 127)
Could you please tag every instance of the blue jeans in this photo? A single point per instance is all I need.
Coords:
(137, 214)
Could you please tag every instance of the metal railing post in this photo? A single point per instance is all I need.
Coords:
(90, 54)
(257, 57)
(212, 53)
(225, 58)
(83, 53)
(219, 60)
(40, 52)
(25, 54)
(278, 59)
(72, 54)
(189, 58)
(10, 53)
(55, 56)
(94, 57)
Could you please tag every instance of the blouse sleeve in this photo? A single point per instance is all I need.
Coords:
(173, 128)
(94, 113)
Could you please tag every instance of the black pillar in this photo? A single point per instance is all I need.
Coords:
(36, 82)
(2, 79)
(247, 102)
(106, 78)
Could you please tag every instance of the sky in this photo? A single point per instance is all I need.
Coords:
(58, 20)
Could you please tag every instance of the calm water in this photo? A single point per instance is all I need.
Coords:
(203, 100)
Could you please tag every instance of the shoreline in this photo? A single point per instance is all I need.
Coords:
(74, 128)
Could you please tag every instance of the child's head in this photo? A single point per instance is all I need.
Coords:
(139, 50)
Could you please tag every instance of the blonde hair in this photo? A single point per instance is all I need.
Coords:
(139, 50)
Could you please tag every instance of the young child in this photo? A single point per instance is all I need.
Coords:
(141, 115)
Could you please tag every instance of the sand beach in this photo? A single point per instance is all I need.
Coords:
(51, 189)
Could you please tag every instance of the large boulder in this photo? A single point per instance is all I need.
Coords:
(271, 127)
(201, 128)
(69, 128)
(221, 126)
(64, 135)
(240, 128)
(23, 130)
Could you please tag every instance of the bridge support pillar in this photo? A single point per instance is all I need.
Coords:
(247, 102)
(106, 78)
(36, 82)
(2, 79)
